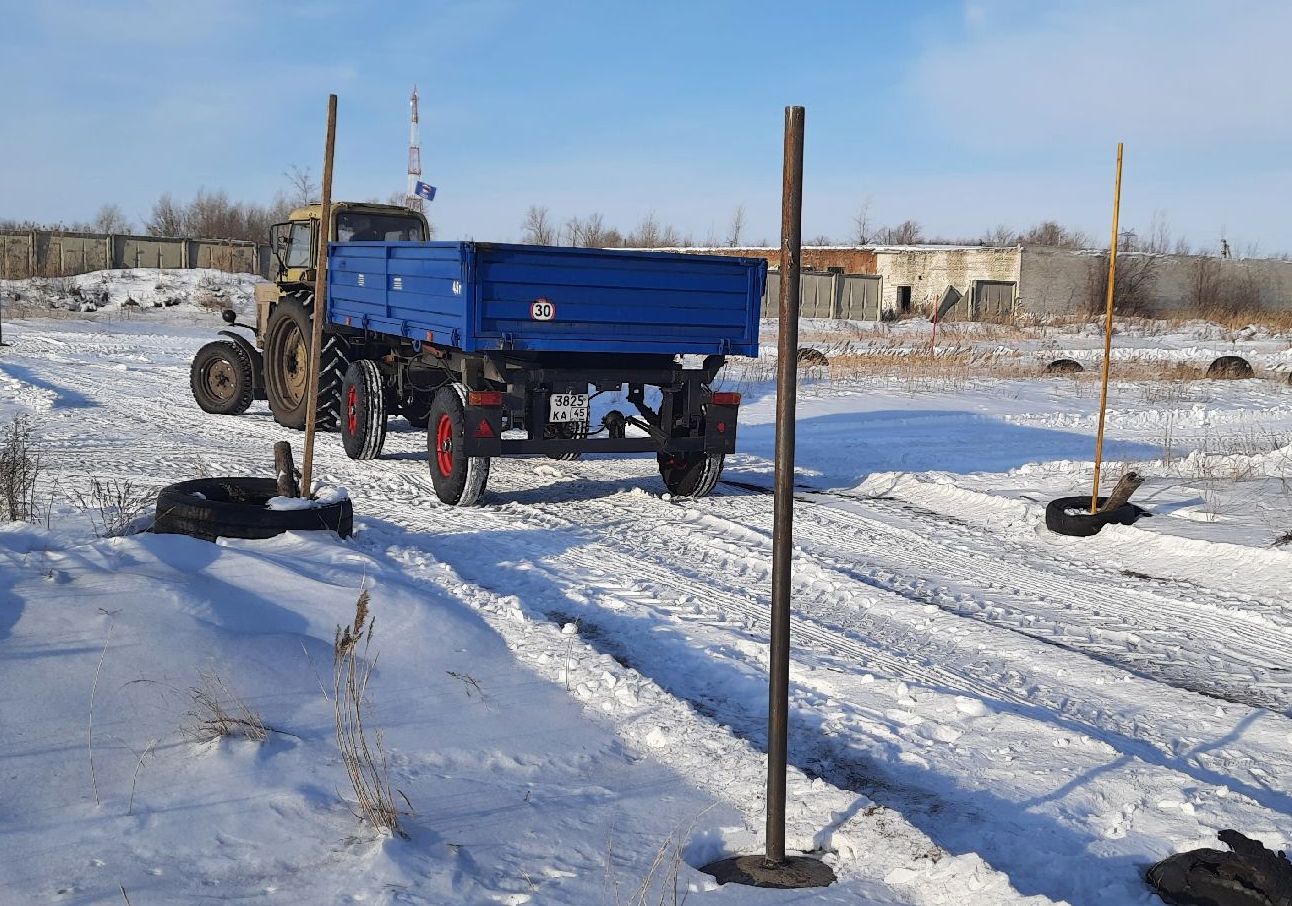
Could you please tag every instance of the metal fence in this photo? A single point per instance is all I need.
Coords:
(55, 253)
(855, 297)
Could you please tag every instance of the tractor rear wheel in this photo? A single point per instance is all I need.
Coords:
(287, 347)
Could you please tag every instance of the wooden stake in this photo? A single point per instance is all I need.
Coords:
(285, 469)
(1108, 334)
(1127, 485)
(320, 302)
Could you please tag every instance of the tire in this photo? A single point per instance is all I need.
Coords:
(566, 431)
(459, 479)
(1085, 524)
(363, 410)
(211, 508)
(1230, 367)
(221, 378)
(1064, 366)
(690, 474)
(286, 362)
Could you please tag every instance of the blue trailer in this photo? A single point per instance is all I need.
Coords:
(499, 350)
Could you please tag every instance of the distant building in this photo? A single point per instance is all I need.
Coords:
(998, 282)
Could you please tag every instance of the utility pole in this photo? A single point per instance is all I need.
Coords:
(774, 868)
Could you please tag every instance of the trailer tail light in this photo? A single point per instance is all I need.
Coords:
(726, 399)
(486, 399)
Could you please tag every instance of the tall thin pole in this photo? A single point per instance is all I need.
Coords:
(320, 301)
(783, 522)
(1108, 334)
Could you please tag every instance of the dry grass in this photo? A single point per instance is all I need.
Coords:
(218, 712)
(660, 885)
(365, 759)
(116, 507)
(20, 468)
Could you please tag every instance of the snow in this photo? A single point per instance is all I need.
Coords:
(571, 678)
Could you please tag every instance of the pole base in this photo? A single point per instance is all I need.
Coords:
(755, 871)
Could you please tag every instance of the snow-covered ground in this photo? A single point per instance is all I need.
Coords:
(571, 682)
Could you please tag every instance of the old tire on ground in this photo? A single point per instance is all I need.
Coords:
(211, 508)
(363, 410)
(1084, 524)
(287, 344)
(1230, 367)
(690, 474)
(1064, 366)
(459, 479)
(811, 358)
(221, 378)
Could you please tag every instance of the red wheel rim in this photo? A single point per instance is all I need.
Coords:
(444, 445)
(351, 411)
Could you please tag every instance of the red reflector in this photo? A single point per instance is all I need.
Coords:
(430, 337)
(726, 399)
(483, 429)
(722, 427)
(490, 399)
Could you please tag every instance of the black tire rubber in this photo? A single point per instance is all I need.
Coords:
(1064, 366)
(363, 410)
(211, 508)
(1085, 524)
(812, 358)
(459, 480)
(567, 431)
(221, 378)
(1230, 367)
(287, 342)
(690, 474)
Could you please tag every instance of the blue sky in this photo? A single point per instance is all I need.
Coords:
(961, 114)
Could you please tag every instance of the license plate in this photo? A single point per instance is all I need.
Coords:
(567, 407)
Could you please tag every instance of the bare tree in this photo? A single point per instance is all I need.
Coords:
(737, 227)
(110, 219)
(1053, 234)
(167, 218)
(820, 239)
(908, 232)
(539, 228)
(1001, 235)
(303, 190)
(1133, 293)
(592, 233)
(862, 232)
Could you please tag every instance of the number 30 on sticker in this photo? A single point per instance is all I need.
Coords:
(542, 310)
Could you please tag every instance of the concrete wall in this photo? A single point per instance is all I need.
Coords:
(844, 259)
(1059, 281)
(49, 253)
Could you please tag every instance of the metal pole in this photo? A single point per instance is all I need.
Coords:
(783, 521)
(1108, 333)
(320, 301)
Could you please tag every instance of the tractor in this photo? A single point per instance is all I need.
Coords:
(228, 374)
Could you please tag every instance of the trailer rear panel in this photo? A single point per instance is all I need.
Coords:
(487, 296)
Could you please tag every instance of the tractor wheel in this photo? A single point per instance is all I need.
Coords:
(459, 479)
(690, 474)
(363, 410)
(221, 378)
(287, 343)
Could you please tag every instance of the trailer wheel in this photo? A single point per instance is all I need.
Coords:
(363, 410)
(690, 474)
(287, 343)
(221, 378)
(459, 479)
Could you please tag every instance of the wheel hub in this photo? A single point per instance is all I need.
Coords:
(220, 380)
(296, 368)
(444, 445)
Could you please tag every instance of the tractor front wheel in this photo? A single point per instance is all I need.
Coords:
(221, 378)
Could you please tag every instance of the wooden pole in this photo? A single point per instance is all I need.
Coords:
(1108, 334)
(285, 469)
(320, 303)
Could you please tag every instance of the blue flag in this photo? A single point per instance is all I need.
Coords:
(425, 191)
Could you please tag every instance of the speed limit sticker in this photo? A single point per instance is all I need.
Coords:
(542, 310)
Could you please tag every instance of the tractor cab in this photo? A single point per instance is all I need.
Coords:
(295, 242)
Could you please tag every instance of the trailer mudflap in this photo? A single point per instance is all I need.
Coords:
(482, 431)
(720, 428)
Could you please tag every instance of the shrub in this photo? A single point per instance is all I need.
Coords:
(20, 467)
